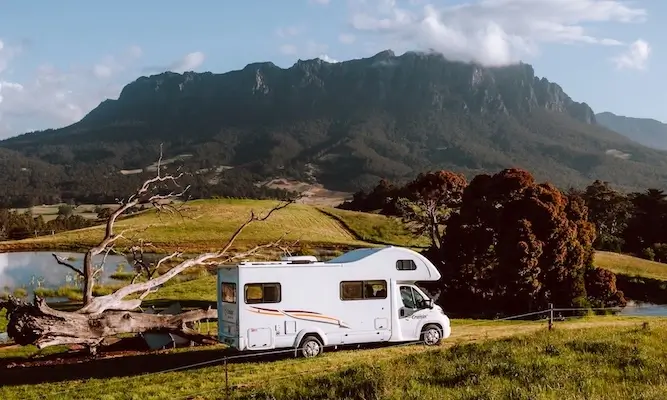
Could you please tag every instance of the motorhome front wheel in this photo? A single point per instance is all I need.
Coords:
(431, 335)
(311, 346)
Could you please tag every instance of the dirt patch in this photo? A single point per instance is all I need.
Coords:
(314, 193)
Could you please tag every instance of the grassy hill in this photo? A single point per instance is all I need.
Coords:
(589, 358)
(206, 225)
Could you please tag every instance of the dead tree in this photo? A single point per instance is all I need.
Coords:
(114, 314)
(147, 194)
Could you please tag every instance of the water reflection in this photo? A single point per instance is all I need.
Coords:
(31, 270)
(645, 309)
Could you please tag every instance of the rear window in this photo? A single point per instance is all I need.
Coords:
(229, 292)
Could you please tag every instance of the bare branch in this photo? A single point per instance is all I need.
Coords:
(286, 249)
(66, 264)
(111, 301)
(252, 219)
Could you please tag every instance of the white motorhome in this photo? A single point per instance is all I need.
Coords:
(364, 296)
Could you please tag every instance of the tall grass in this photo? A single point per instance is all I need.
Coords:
(613, 358)
(584, 364)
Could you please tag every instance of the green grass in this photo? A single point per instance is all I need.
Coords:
(206, 225)
(590, 358)
(202, 289)
(631, 266)
(620, 363)
(122, 276)
(376, 228)
(3, 320)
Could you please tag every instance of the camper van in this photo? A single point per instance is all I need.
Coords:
(364, 296)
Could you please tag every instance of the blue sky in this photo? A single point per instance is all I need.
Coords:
(59, 59)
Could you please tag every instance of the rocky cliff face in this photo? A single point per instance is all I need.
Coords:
(349, 124)
(384, 81)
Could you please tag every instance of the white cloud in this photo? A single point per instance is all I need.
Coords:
(320, 2)
(188, 63)
(111, 65)
(328, 59)
(135, 51)
(288, 31)
(635, 57)
(312, 48)
(7, 53)
(346, 38)
(491, 32)
(55, 97)
(288, 49)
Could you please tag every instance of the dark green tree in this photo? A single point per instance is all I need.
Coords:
(610, 211)
(515, 246)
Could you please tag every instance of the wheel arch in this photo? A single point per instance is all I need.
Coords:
(424, 324)
(317, 332)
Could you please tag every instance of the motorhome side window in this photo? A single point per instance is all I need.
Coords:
(229, 292)
(363, 290)
(406, 265)
(256, 293)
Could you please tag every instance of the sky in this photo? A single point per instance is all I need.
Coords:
(60, 59)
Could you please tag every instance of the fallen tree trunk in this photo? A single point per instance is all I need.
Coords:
(42, 326)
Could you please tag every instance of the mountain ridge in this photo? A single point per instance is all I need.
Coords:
(646, 131)
(347, 125)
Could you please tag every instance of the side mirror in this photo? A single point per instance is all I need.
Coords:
(430, 303)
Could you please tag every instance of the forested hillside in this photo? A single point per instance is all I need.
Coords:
(345, 125)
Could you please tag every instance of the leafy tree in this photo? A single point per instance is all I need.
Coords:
(104, 213)
(431, 199)
(515, 245)
(382, 197)
(646, 226)
(610, 211)
(65, 210)
(601, 288)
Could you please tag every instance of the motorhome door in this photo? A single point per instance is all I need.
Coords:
(229, 318)
(409, 316)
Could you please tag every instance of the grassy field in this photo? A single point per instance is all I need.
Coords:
(631, 266)
(207, 224)
(50, 212)
(611, 358)
(589, 358)
(376, 228)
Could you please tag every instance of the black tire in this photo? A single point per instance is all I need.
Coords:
(311, 346)
(431, 335)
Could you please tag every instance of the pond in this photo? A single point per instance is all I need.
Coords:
(31, 270)
(644, 310)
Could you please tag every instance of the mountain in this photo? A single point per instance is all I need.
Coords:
(646, 131)
(344, 125)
